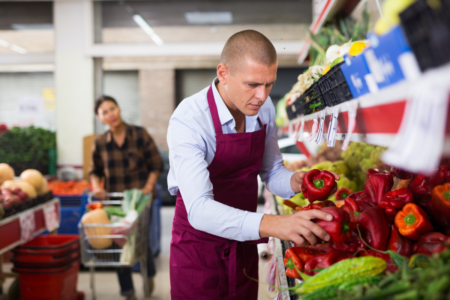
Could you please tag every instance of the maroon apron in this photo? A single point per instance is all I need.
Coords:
(204, 266)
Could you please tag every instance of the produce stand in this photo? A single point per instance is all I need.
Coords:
(10, 229)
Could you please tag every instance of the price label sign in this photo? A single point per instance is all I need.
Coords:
(51, 217)
(319, 137)
(332, 127)
(27, 226)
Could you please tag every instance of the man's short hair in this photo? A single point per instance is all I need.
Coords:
(102, 99)
(248, 44)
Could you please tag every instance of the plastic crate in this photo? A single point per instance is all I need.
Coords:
(312, 100)
(428, 32)
(72, 209)
(290, 112)
(334, 87)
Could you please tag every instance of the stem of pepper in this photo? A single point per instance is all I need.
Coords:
(447, 195)
(344, 195)
(410, 219)
(345, 227)
(319, 183)
(290, 264)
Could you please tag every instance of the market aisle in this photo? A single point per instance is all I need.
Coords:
(106, 282)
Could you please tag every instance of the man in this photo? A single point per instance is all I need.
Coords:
(219, 141)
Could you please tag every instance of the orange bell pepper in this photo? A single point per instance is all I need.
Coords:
(412, 222)
(440, 199)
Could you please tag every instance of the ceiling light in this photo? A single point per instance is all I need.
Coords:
(144, 25)
(4, 43)
(18, 49)
(202, 18)
(32, 26)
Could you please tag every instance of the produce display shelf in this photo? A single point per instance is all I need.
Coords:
(10, 226)
(378, 115)
(329, 9)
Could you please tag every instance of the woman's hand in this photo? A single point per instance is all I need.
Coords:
(99, 193)
(147, 189)
(297, 227)
(297, 180)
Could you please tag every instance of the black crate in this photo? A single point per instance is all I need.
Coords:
(290, 112)
(428, 32)
(312, 100)
(334, 87)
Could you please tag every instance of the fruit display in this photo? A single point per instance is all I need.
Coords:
(401, 228)
(18, 195)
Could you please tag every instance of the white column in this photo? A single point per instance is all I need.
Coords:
(74, 82)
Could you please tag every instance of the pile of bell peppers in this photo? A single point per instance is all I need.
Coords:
(412, 219)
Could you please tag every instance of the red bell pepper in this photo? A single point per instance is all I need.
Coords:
(325, 260)
(351, 207)
(319, 205)
(374, 227)
(386, 173)
(377, 186)
(318, 185)
(440, 200)
(343, 193)
(363, 200)
(296, 257)
(412, 222)
(432, 242)
(340, 228)
(421, 187)
(399, 243)
(94, 205)
(357, 195)
(390, 265)
(323, 247)
(393, 201)
(351, 245)
(441, 176)
(402, 174)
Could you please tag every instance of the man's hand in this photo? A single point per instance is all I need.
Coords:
(297, 180)
(99, 193)
(297, 227)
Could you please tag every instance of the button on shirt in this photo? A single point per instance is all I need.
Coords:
(192, 146)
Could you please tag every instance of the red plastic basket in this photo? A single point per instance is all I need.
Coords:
(25, 261)
(49, 283)
(54, 244)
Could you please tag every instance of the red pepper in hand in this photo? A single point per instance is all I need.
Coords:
(343, 193)
(325, 260)
(318, 185)
(440, 199)
(351, 245)
(433, 242)
(412, 222)
(393, 201)
(296, 257)
(94, 205)
(377, 186)
(399, 243)
(374, 227)
(340, 228)
(319, 205)
(390, 265)
(402, 174)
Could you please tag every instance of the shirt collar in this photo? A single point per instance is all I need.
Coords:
(127, 130)
(224, 113)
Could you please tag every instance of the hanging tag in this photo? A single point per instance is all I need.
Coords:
(352, 107)
(51, 216)
(419, 143)
(332, 127)
(27, 226)
(319, 137)
(301, 131)
(290, 130)
(313, 130)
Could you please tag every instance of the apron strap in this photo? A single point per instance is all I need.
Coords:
(260, 123)
(213, 110)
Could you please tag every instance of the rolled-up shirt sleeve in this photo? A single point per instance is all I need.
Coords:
(187, 151)
(273, 172)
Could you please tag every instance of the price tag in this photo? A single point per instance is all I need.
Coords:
(352, 107)
(319, 137)
(300, 133)
(51, 217)
(314, 130)
(27, 226)
(420, 140)
(332, 127)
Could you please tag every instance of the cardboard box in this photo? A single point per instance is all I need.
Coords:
(88, 141)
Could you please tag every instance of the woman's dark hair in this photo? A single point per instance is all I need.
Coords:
(102, 99)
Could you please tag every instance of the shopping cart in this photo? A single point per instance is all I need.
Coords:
(116, 244)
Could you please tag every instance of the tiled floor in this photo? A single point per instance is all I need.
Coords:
(107, 287)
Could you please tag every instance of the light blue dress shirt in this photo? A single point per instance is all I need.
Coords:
(192, 146)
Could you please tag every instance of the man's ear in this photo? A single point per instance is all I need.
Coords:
(223, 74)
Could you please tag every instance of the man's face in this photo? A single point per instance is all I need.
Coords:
(248, 87)
(109, 114)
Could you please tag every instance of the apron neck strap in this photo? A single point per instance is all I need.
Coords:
(213, 109)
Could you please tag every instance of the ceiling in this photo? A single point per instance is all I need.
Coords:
(171, 12)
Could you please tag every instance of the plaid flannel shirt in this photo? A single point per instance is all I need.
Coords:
(125, 167)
